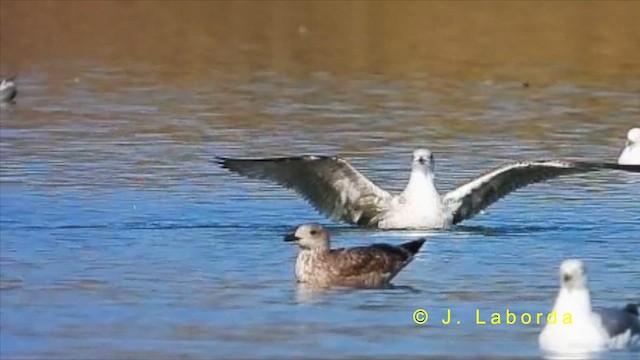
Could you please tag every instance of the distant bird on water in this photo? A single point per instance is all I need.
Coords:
(8, 90)
(589, 330)
(631, 153)
(375, 265)
(338, 190)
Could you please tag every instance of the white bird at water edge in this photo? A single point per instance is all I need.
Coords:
(8, 90)
(589, 330)
(630, 155)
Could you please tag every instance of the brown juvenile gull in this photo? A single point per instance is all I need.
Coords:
(375, 265)
(590, 330)
(8, 89)
(338, 190)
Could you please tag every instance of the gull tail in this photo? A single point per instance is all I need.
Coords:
(220, 160)
(413, 246)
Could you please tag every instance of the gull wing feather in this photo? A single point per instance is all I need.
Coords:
(330, 184)
(618, 321)
(469, 199)
(383, 259)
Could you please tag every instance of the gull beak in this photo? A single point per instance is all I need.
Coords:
(566, 277)
(291, 238)
(422, 161)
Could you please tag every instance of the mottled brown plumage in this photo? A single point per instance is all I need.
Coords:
(363, 266)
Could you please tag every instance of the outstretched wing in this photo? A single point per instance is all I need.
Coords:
(330, 184)
(470, 198)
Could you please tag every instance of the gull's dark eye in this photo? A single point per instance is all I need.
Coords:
(313, 232)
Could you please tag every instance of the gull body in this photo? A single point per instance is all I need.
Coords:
(419, 205)
(338, 190)
(317, 265)
(630, 155)
(590, 330)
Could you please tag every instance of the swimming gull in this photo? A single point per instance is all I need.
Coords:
(589, 330)
(338, 190)
(631, 153)
(8, 90)
(364, 266)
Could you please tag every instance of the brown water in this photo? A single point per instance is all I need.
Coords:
(588, 42)
(121, 239)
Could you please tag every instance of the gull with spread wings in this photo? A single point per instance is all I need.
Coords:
(338, 190)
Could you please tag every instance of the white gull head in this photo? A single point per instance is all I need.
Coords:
(310, 237)
(573, 275)
(423, 161)
(634, 136)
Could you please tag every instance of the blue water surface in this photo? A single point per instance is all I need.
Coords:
(120, 238)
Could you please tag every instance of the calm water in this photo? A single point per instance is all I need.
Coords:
(120, 238)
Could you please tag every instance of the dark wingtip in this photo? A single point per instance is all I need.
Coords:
(616, 166)
(413, 246)
(631, 168)
(222, 161)
(632, 309)
(607, 165)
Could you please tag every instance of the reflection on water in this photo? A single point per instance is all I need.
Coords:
(578, 356)
(120, 238)
(186, 41)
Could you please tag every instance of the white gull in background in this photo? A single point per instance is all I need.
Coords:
(590, 330)
(375, 265)
(338, 190)
(8, 90)
(631, 153)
